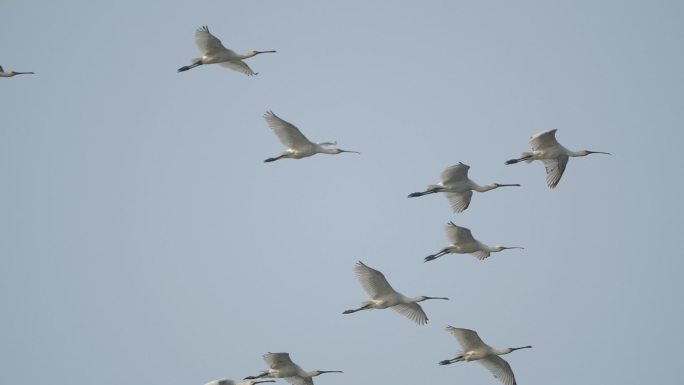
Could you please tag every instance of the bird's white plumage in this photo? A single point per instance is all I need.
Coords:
(372, 281)
(554, 169)
(239, 66)
(458, 235)
(499, 368)
(278, 360)
(459, 201)
(544, 140)
(288, 134)
(412, 311)
(208, 43)
(470, 341)
(455, 174)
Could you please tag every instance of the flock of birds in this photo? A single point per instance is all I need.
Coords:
(458, 189)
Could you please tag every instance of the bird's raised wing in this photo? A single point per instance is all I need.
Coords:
(543, 140)
(206, 42)
(500, 369)
(467, 338)
(239, 66)
(555, 169)
(412, 311)
(287, 133)
(455, 173)
(457, 234)
(372, 281)
(299, 380)
(277, 360)
(459, 201)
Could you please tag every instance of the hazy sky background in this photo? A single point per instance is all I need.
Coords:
(144, 241)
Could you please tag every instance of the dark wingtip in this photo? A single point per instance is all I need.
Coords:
(511, 161)
(444, 362)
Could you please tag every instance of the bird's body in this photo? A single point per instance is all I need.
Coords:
(9, 74)
(213, 52)
(474, 349)
(463, 242)
(228, 381)
(298, 146)
(555, 157)
(383, 296)
(458, 188)
(281, 366)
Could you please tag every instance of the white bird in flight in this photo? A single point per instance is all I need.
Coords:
(281, 366)
(227, 381)
(462, 242)
(9, 74)
(214, 52)
(546, 148)
(457, 187)
(298, 146)
(384, 296)
(474, 349)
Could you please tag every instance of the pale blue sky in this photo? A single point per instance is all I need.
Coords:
(143, 241)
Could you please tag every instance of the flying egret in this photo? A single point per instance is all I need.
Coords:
(546, 148)
(474, 349)
(214, 52)
(281, 366)
(384, 296)
(298, 146)
(457, 187)
(227, 381)
(462, 242)
(9, 74)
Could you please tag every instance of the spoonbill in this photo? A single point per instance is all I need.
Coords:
(555, 157)
(384, 296)
(214, 52)
(9, 74)
(462, 242)
(476, 350)
(281, 366)
(227, 381)
(457, 187)
(298, 146)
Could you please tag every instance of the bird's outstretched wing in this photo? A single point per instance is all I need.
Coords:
(555, 169)
(287, 133)
(412, 311)
(299, 380)
(372, 281)
(481, 254)
(459, 201)
(467, 338)
(277, 360)
(206, 42)
(222, 381)
(543, 140)
(500, 369)
(455, 173)
(457, 234)
(239, 66)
